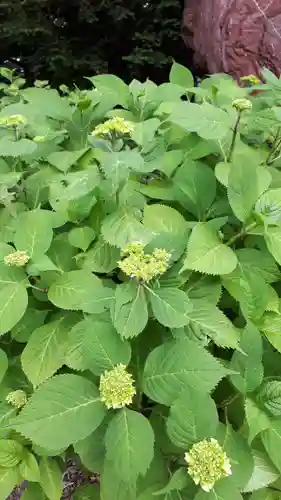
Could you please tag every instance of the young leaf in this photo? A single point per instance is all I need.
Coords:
(206, 253)
(34, 233)
(129, 443)
(65, 409)
(102, 347)
(248, 364)
(180, 75)
(188, 423)
(176, 364)
(170, 306)
(129, 311)
(51, 478)
(45, 351)
(79, 290)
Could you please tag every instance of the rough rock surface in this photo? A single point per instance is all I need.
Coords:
(238, 37)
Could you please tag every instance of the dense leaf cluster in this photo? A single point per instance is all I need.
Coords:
(140, 253)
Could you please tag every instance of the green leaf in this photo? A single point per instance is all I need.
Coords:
(34, 233)
(248, 364)
(63, 410)
(170, 306)
(129, 311)
(268, 207)
(264, 473)
(180, 75)
(260, 262)
(270, 397)
(63, 160)
(13, 297)
(187, 422)
(257, 419)
(242, 188)
(51, 478)
(271, 439)
(33, 492)
(81, 237)
(112, 486)
(144, 131)
(101, 258)
(7, 412)
(9, 478)
(3, 364)
(102, 347)
(45, 351)
(129, 443)
(176, 364)
(29, 468)
(11, 453)
(223, 490)
(91, 450)
(239, 453)
(32, 319)
(207, 254)
(195, 187)
(72, 187)
(79, 290)
(272, 238)
(178, 481)
(163, 219)
(87, 492)
(270, 325)
(121, 227)
(16, 148)
(113, 89)
(205, 287)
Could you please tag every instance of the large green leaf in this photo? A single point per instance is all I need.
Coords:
(264, 472)
(32, 319)
(129, 443)
(271, 439)
(242, 188)
(80, 290)
(257, 419)
(63, 410)
(176, 364)
(163, 219)
(13, 297)
(91, 450)
(248, 364)
(45, 351)
(34, 233)
(129, 310)
(122, 227)
(170, 306)
(51, 478)
(187, 423)
(206, 253)
(113, 89)
(102, 347)
(22, 147)
(63, 160)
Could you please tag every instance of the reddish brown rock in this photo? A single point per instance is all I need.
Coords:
(238, 37)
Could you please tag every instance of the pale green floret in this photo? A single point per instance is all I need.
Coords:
(252, 79)
(17, 259)
(207, 463)
(113, 125)
(141, 266)
(17, 398)
(117, 387)
(12, 121)
(242, 104)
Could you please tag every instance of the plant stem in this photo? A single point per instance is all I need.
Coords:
(241, 233)
(234, 137)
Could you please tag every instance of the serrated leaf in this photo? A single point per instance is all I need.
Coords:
(272, 238)
(206, 287)
(32, 319)
(112, 486)
(264, 473)
(102, 347)
(268, 207)
(101, 258)
(271, 439)
(170, 306)
(72, 187)
(81, 237)
(13, 297)
(260, 262)
(91, 450)
(7, 413)
(242, 190)
(34, 233)
(195, 187)
(51, 478)
(257, 419)
(223, 490)
(121, 227)
(29, 468)
(79, 290)
(177, 364)
(178, 481)
(45, 351)
(11, 453)
(9, 478)
(187, 423)
(164, 219)
(63, 160)
(207, 254)
(129, 443)
(270, 397)
(129, 311)
(248, 364)
(180, 75)
(270, 325)
(62, 411)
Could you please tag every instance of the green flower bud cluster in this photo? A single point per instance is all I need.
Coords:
(17, 259)
(141, 266)
(252, 79)
(242, 104)
(207, 463)
(117, 387)
(17, 398)
(114, 125)
(12, 121)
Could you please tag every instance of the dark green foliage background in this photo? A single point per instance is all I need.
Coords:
(65, 40)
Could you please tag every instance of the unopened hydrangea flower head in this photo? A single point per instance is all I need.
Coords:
(117, 387)
(18, 259)
(141, 266)
(242, 104)
(12, 121)
(17, 398)
(115, 125)
(252, 79)
(207, 463)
